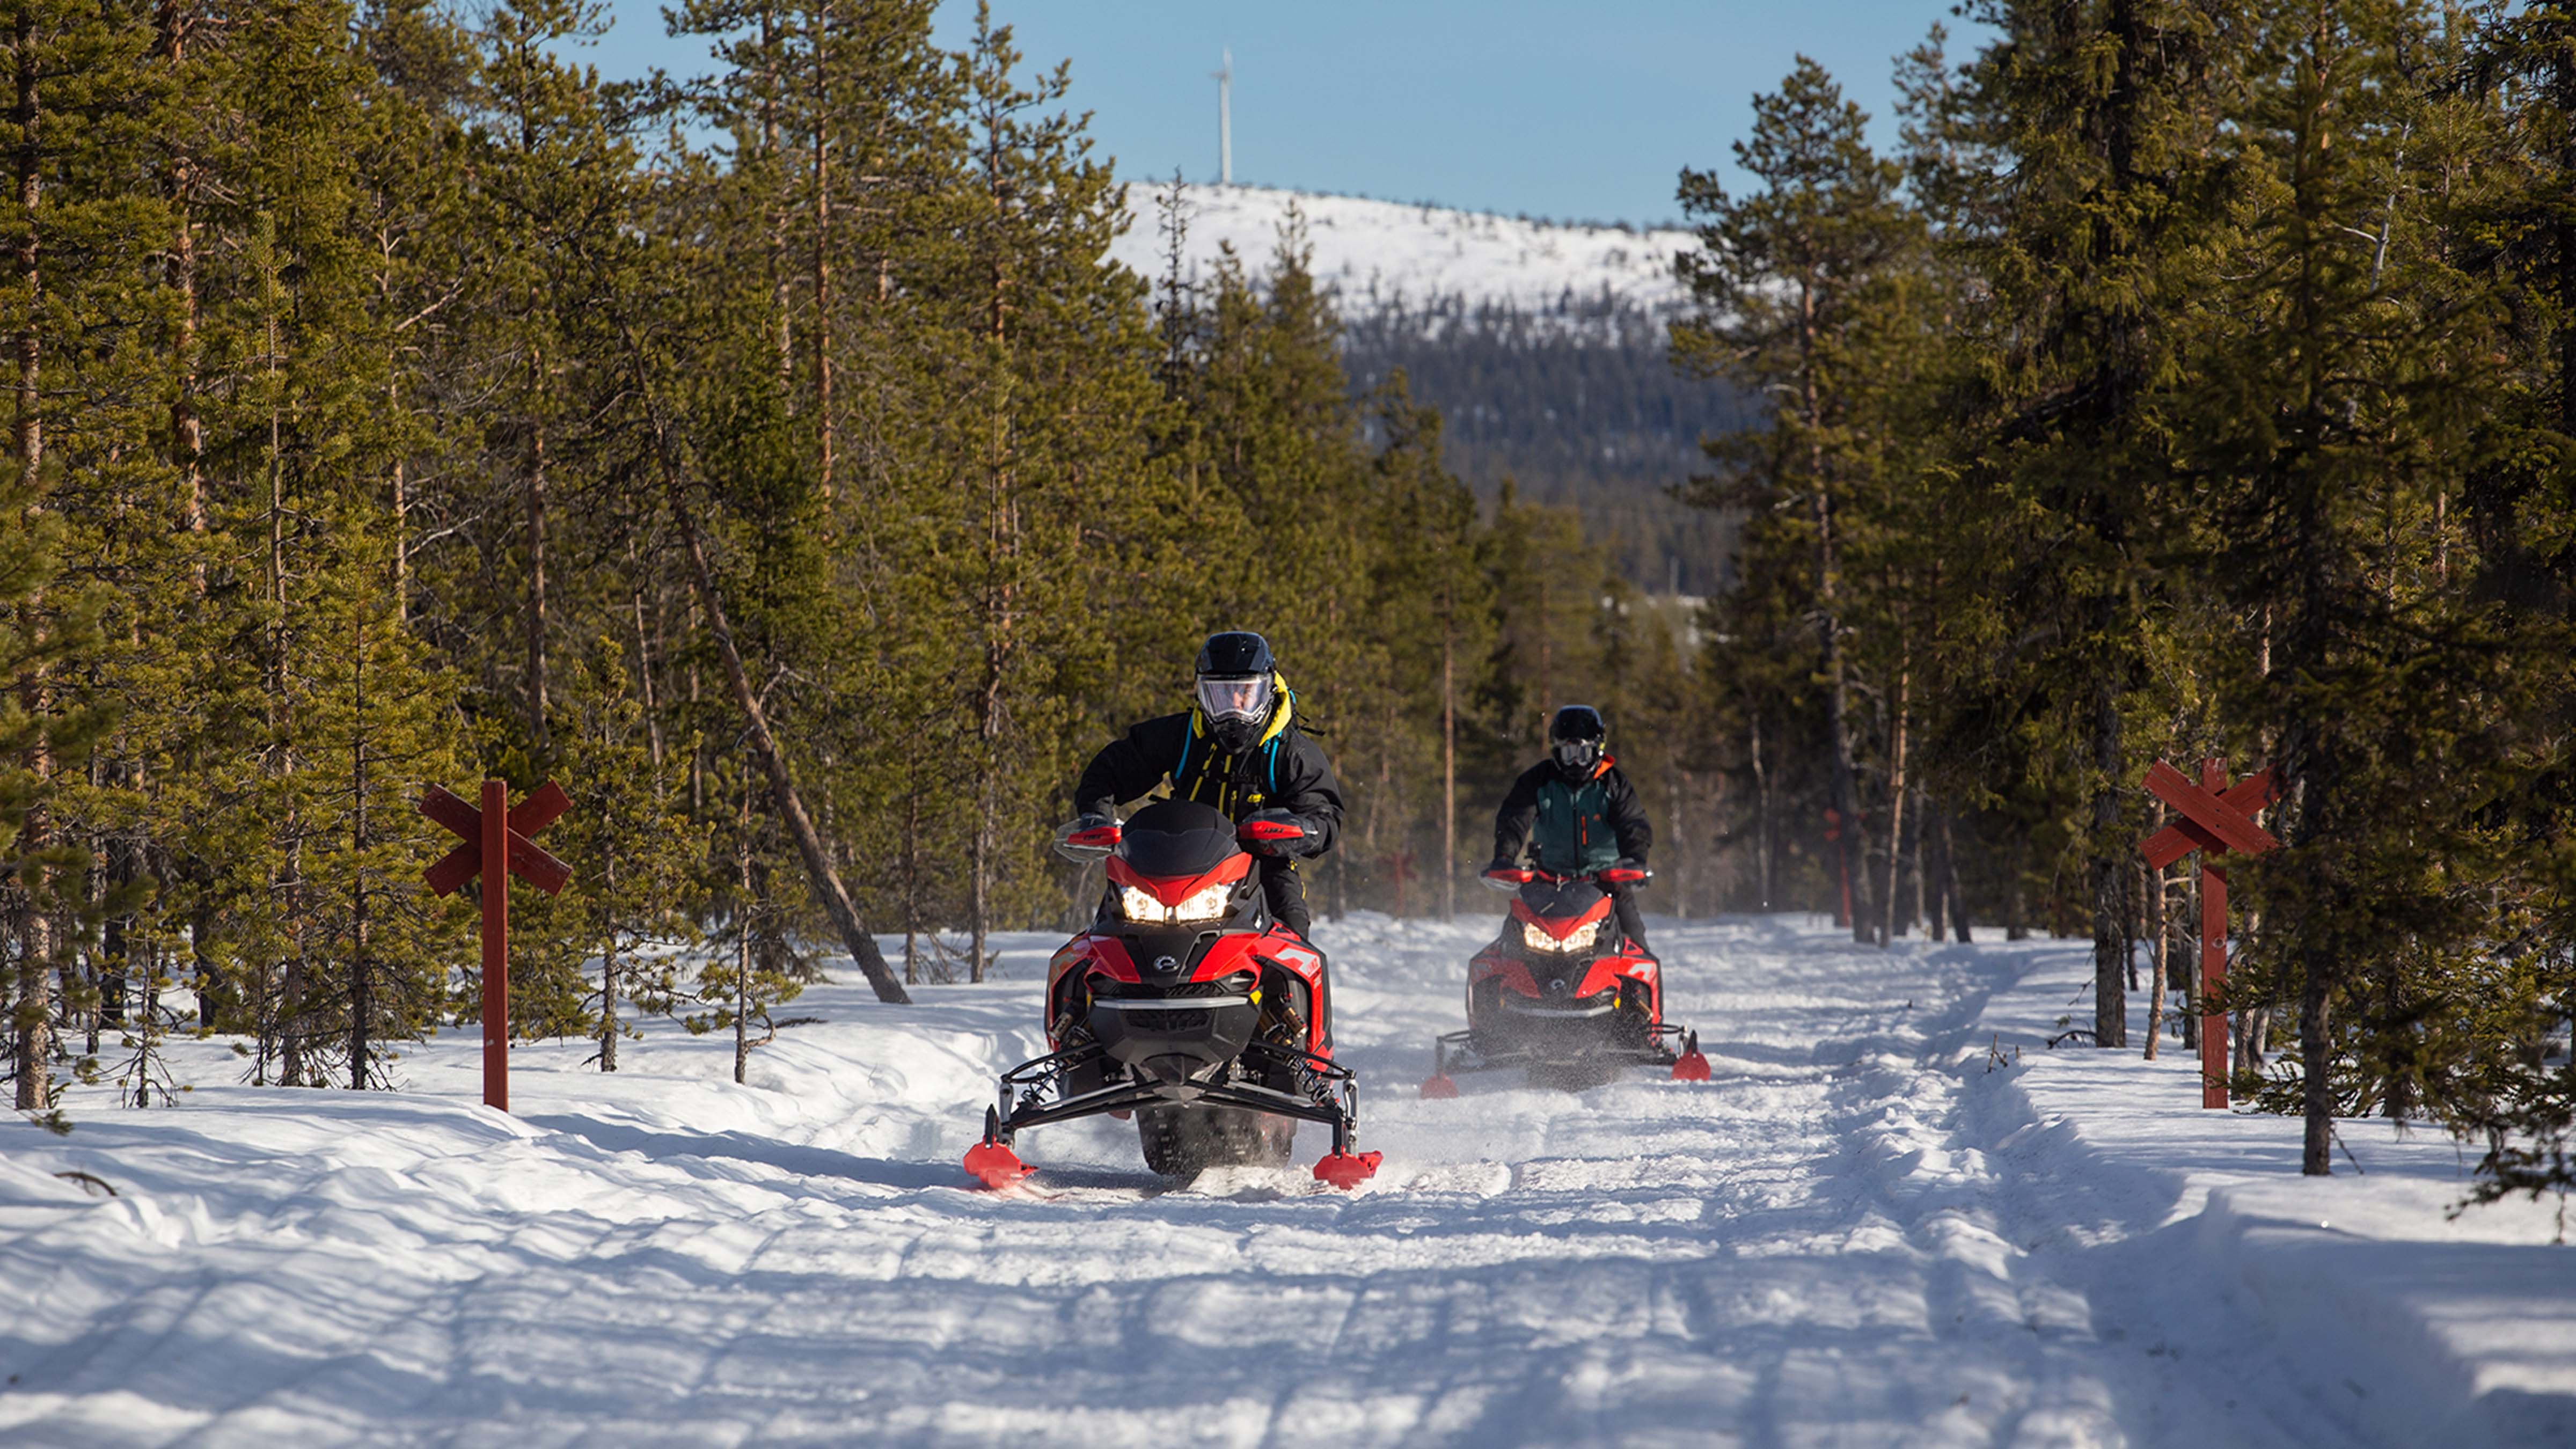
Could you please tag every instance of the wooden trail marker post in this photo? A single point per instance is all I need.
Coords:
(499, 832)
(2216, 818)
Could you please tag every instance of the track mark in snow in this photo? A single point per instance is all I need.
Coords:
(1813, 1248)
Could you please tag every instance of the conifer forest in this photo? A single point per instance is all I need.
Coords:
(770, 455)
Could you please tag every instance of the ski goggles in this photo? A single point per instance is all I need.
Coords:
(1235, 698)
(1577, 754)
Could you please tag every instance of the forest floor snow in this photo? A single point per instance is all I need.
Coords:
(1873, 1227)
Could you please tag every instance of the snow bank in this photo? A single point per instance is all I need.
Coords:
(2401, 1324)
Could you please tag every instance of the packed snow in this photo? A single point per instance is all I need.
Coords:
(1378, 254)
(1894, 1217)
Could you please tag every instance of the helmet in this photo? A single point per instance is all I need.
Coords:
(1575, 736)
(1235, 688)
(1235, 654)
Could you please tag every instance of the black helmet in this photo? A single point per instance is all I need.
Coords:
(1575, 736)
(1235, 654)
(1235, 690)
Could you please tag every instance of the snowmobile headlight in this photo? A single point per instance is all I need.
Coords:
(1139, 905)
(1204, 905)
(1535, 936)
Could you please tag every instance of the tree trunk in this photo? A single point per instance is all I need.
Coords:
(537, 574)
(825, 434)
(362, 1004)
(33, 1037)
(2158, 982)
(1448, 776)
(1896, 786)
(2187, 928)
(742, 940)
(2316, 1070)
(2110, 931)
(608, 965)
(1950, 887)
(1761, 811)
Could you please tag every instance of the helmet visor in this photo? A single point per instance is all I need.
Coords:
(1243, 699)
(1577, 754)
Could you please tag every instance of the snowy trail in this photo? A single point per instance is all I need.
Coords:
(1812, 1249)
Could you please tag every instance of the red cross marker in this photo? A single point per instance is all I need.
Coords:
(497, 831)
(2216, 818)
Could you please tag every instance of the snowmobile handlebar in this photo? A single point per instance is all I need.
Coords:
(1513, 878)
(1091, 837)
(1269, 831)
(1087, 839)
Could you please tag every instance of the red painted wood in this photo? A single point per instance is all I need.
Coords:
(459, 816)
(496, 946)
(2217, 818)
(530, 862)
(2254, 792)
(544, 806)
(2202, 806)
(454, 869)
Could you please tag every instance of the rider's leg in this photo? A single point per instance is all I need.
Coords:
(1631, 920)
(1285, 890)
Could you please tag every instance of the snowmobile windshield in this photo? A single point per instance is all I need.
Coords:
(1560, 900)
(1175, 838)
(1245, 699)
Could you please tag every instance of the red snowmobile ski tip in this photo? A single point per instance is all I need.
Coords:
(1347, 1170)
(1439, 1087)
(996, 1164)
(1690, 1066)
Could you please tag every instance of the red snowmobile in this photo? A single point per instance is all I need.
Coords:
(1186, 1005)
(1563, 993)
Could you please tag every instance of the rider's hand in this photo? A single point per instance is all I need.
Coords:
(1274, 848)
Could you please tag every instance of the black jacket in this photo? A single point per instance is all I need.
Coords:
(1287, 771)
(1519, 815)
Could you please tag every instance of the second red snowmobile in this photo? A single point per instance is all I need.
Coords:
(1563, 993)
(1187, 1006)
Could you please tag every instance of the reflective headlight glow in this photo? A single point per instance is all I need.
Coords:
(1206, 904)
(1535, 937)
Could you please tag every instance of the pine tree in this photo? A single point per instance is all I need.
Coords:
(1795, 284)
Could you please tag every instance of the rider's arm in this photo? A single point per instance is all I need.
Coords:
(1627, 817)
(1130, 765)
(1309, 791)
(1512, 823)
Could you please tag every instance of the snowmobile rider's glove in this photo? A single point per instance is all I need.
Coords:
(1501, 875)
(1274, 833)
(1087, 837)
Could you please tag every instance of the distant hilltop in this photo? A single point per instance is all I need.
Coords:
(1392, 256)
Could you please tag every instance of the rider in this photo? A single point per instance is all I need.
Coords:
(1584, 811)
(1237, 748)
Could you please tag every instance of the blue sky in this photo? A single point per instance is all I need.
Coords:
(1576, 109)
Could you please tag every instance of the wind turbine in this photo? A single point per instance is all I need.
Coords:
(1225, 119)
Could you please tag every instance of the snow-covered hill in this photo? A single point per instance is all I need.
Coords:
(1378, 254)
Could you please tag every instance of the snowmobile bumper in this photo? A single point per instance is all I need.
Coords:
(1458, 1052)
(1038, 1093)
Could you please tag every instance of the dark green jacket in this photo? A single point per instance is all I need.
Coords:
(1572, 826)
